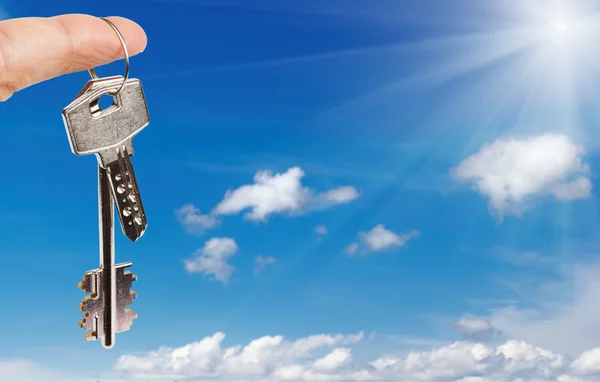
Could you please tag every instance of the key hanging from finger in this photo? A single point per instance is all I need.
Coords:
(108, 134)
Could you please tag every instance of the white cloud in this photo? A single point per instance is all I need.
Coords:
(193, 222)
(562, 313)
(463, 360)
(570, 378)
(211, 260)
(321, 230)
(588, 363)
(262, 262)
(337, 360)
(475, 328)
(340, 195)
(512, 172)
(283, 193)
(379, 239)
(351, 248)
(328, 358)
(263, 358)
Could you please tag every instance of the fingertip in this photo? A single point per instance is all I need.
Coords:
(37, 49)
(133, 34)
(93, 31)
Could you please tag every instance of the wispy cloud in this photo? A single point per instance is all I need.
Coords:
(193, 221)
(211, 260)
(262, 262)
(379, 239)
(270, 194)
(241, 164)
(559, 312)
(527, 258)
(280, 193)
(475, 328)
(407, 341)
(321, 232)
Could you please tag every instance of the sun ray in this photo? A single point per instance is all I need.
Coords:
(306, 58)
(555, 41)
(464, 54)
(503, 92)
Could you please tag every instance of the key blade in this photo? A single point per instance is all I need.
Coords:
(107, 257)
(126, 195)
(94, 303)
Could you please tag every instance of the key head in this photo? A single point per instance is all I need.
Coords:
(92, 130)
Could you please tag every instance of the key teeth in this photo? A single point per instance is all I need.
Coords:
(84, 323)
(125, 297)
(88, 306)
(92, 336)
(132, 314)
(92, 304)
(128, 274)
(84, 285)
(125, 320)
(87, 301)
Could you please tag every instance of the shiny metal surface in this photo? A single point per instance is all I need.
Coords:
(93, 305)
(127, 197)
(107, 257)
(109, 286)
(108, 134)
(92, 130)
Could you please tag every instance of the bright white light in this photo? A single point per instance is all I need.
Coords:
(541, 64)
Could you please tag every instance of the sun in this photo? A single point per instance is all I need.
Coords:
(554, 62)
(535, 64)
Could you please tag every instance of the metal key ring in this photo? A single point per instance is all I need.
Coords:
(92, 71)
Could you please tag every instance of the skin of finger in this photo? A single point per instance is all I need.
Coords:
(36, 49)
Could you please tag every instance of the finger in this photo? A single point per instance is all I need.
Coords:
(36, 49)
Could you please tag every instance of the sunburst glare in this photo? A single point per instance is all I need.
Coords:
(541, 56)
(556, 68)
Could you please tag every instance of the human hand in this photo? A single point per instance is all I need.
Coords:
(35, 49)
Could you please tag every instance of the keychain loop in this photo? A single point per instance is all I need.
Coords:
(92, 71)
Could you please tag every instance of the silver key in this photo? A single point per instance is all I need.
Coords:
(108, 134)
(105, 309)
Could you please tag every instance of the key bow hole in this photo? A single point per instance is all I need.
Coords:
(104, 104)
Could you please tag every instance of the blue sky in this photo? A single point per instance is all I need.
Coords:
(448, 149)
